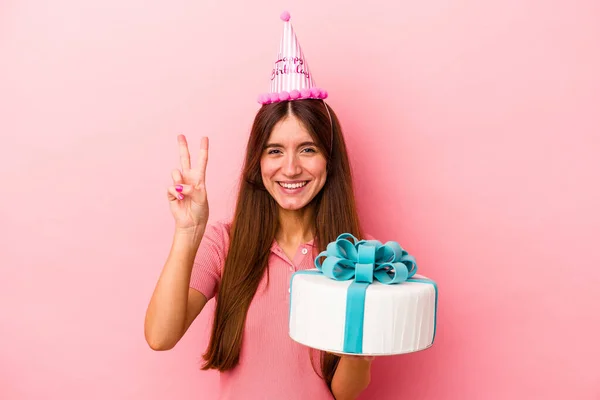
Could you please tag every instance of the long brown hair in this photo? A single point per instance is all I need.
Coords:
(256, 211)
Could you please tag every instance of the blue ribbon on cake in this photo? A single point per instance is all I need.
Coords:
(364, 261)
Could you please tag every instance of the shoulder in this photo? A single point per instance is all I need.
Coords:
(368, 236)
(217, 236)
(218, 229)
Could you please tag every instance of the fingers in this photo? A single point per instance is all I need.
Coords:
(353, 356)
(176, 175)
(184, 153)
(179, 191)
(202, 161)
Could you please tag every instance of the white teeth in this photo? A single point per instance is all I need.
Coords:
(293, 185)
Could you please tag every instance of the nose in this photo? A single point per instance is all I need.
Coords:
(291, 165)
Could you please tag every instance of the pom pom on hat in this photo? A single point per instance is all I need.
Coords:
(285, 16)
(283, 96)
(305, 93)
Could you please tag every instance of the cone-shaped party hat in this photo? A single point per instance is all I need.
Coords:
(291, 78)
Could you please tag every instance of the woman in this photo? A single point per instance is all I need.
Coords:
(295, 197)
(289, 145)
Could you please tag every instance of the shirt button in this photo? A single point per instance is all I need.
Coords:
(291, 268)
(304, 251)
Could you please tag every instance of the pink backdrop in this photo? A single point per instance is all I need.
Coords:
(474, 141)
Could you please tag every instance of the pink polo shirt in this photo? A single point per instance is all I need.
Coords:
(272, 366)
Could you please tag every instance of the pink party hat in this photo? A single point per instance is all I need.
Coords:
(290, 78)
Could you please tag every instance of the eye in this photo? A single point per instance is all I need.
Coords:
(273, 151)
(310, 150)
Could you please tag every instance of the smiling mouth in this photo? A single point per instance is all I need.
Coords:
(293, 185)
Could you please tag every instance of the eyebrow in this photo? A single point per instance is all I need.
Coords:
(270, 145)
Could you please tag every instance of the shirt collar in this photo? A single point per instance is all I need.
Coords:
(310, 243)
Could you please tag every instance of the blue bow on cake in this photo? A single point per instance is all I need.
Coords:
(366, 259)
(363, 261)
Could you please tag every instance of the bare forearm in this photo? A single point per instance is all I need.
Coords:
(352, 376)
(166, 314)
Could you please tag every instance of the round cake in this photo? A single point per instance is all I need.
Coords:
(395, 319)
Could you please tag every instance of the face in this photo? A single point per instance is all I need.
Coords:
(293, 168)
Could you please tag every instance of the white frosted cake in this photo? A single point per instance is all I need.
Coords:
(396, 319)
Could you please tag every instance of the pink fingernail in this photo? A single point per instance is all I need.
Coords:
(180, 196)
(179, 188)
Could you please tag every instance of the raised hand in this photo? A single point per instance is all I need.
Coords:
(187, 196)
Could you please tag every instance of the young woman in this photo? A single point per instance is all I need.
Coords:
(295, 197)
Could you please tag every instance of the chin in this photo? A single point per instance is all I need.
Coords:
(292, 207)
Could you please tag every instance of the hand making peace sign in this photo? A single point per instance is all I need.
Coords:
(187, 195)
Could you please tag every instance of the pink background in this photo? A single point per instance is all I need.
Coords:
(474, 141)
